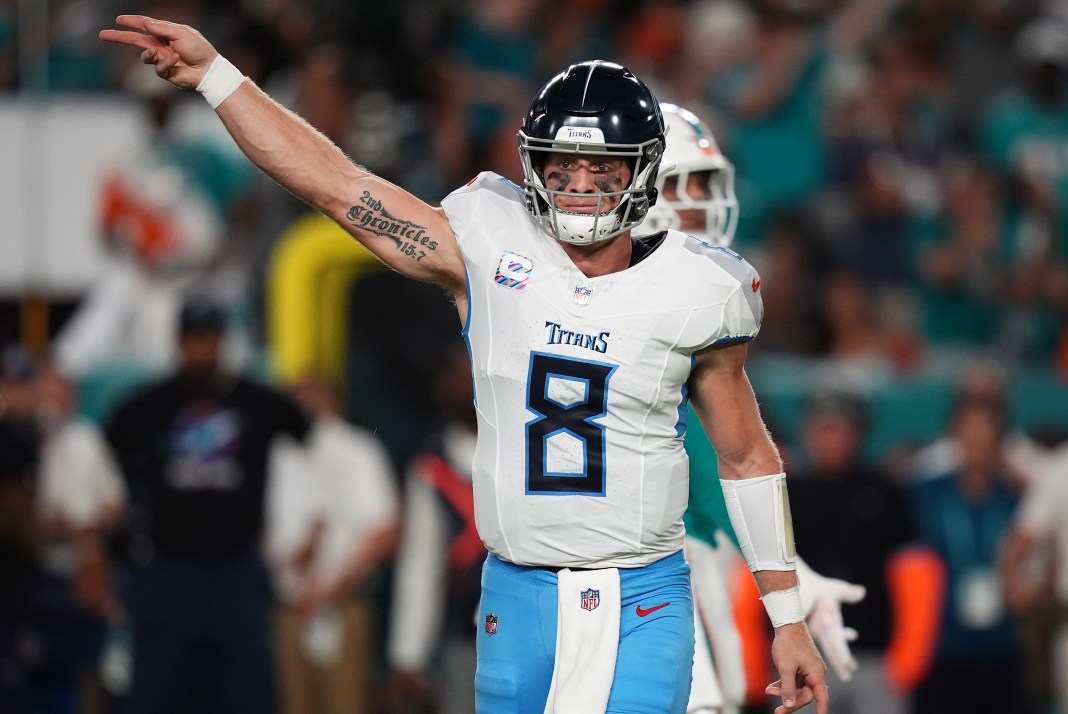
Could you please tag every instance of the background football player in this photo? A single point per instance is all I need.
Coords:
(696, 196)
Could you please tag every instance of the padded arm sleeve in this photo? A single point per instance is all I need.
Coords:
(759, 509)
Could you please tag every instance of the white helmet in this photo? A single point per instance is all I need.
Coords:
(698, 178)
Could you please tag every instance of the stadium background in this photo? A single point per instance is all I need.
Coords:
(902, 169)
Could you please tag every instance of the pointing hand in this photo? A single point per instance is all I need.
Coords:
(181, 55)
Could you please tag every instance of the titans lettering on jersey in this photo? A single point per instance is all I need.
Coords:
(558, 335)
(581, 383)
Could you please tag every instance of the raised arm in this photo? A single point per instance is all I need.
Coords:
(404, 232)
(724, 401)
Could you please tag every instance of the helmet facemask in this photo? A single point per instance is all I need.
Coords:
(616, 212)
(708, 189)
(696, 177)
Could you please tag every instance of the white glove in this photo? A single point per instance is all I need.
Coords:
(833, 637)
(821, 599)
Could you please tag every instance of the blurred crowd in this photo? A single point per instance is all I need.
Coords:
(900, 163)
(902, 172)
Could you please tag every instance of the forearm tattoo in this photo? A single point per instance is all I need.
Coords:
(411, 239)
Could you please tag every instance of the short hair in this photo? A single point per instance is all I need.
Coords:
(201, 315)
(840, 403)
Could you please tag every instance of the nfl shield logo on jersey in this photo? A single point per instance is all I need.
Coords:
(582, 296)
(491, 624)
(591, 599)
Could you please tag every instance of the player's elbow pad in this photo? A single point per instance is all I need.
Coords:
(759, 509)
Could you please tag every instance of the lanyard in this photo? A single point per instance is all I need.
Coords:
(966, 546)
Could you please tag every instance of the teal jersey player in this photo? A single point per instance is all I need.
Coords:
(696, 196)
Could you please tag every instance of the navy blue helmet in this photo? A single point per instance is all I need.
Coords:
(593, 108)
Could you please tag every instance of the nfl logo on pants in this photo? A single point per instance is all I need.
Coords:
(590, 599)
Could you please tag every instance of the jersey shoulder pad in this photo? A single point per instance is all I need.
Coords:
(730, 261)
(744, 308)
(489, 181)
(488, 196)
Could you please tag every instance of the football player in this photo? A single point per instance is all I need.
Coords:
(586, 344)
(696, 196)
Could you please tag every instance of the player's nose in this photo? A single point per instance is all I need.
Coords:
(582, 182)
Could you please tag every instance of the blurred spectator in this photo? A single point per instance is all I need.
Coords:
(391, 384)
(16, 568)
(8, 65)
(892, 134)
(80, 485)
(982, 383)
(439, 566)
(193, 450)
(576, 30)
(964, 516)
(651, 40)
(162, 221)
(862, 350)
(1021, 136)
(332, 521)
(890, 137)
(18, 399)
(1035, 568)
(492, 63)
(18, 533)
(773, 101)
(958, 277)
(79, 490)
(975, 38)
(70, 58)
(856, 524)
(717, 35)
(792, 270)
(493, 57)
(1034, 571)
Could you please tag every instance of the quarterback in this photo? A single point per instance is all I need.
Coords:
(587, 345)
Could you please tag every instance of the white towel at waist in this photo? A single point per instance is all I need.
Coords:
(587, 641)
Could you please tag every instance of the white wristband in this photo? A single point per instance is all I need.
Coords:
(784, 606)
(220, 81)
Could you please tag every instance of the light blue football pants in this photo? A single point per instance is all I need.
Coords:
(519, 607)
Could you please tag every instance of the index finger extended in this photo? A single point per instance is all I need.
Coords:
(125, 37)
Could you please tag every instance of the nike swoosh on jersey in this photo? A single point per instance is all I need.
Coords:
(642, 613)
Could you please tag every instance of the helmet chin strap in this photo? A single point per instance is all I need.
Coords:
(585, 229)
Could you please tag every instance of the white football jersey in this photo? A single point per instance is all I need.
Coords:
(580, 383)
